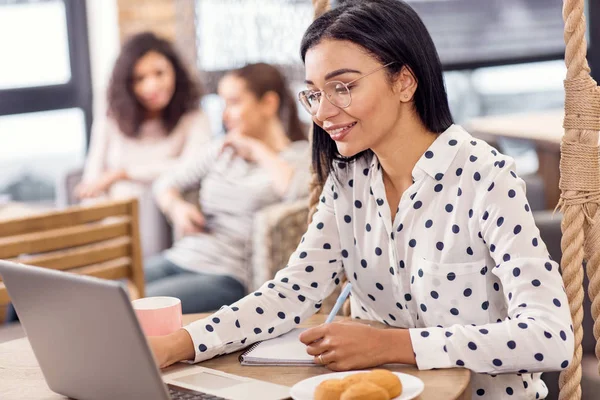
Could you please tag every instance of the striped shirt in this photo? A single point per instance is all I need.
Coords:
(232, 190)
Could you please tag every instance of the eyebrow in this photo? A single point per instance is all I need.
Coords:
(335, 73)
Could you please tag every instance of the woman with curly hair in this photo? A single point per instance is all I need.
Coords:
(153, 123)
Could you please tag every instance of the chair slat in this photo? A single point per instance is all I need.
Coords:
(55, 239)
(62, 219)
(79, 256)
(113, 269)
(4, 299)
(101, 240)
(137, 265)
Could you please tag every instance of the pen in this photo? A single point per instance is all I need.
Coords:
(339, 302)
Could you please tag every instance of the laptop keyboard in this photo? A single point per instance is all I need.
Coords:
(179, 393)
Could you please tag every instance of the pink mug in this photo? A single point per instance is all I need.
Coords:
(158, 316)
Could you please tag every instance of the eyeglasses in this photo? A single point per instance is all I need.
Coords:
(336, 92)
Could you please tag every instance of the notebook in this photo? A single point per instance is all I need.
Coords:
(285, 350)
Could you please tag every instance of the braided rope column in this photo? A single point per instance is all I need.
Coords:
(579, 190)
(320, 6)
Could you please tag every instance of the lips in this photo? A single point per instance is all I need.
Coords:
(340, 132)
(156, 98)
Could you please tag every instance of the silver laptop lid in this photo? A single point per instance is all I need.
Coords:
(84, 334)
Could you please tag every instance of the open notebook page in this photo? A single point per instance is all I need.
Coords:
(286, 349)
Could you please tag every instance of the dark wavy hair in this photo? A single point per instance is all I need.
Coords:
(390, 30)
(123, 105)
(261, 78)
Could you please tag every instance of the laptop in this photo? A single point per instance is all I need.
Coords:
(89, 345)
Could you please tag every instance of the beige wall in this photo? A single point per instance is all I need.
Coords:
(171, 19)
(112, 21)
(158, 16)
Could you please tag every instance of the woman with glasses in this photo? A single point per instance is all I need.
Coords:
(430, 225)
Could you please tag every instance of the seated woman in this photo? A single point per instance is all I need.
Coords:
(430, 225)
(153, 123)
(263, 159)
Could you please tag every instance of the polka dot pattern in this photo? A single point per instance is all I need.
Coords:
(459, 259)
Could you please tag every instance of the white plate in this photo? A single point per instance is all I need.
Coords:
(304, 390)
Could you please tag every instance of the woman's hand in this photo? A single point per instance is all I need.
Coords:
(99, 186)
(171, 348)
(160, 348)
(248, 148)
(349, 345)
(187, 218)
(253, 150)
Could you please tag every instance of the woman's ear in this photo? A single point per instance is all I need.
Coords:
(270, 102)
(405, 84)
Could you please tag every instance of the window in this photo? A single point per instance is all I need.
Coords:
(35, 148)
(47, 45)
(594, 34)
(474, 33)
(231, 33)
(250, 31)
(45, 95)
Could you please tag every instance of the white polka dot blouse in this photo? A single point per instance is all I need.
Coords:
(461, 265)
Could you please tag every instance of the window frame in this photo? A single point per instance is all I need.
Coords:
(594, 38)
(77, 92)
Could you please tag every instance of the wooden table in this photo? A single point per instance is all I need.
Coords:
(21, 377)
(544, 129)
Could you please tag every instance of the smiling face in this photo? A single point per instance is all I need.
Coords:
(377, 105)
(153, 81)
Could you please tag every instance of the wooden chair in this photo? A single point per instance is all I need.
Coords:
(101, 240)
(277, 229)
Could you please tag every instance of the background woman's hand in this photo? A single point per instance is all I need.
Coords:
(248, 148)
(349, 345)
(187, 218)
(86, 190)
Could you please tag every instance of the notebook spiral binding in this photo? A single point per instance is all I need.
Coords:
(248, 350)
